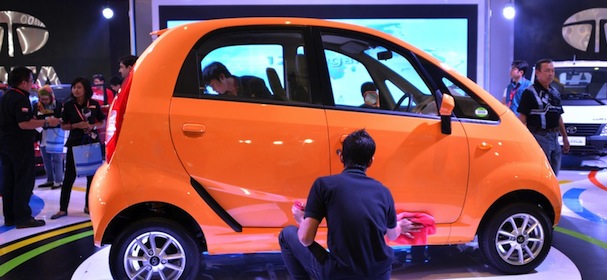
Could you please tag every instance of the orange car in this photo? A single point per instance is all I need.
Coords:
(190, 170)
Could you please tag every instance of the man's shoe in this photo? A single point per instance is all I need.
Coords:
(32, 223)
(46, 185)
(59, 215)
(56, 186)
(9, 223)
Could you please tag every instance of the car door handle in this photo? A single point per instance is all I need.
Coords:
(194, 128)
(485, 146)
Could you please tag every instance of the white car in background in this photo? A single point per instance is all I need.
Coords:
(583, 88)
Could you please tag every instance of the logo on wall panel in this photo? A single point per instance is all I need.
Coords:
(579, 28)
(30, 35)
(29, 31)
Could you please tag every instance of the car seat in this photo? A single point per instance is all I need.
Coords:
(301, 91)
(276, 85)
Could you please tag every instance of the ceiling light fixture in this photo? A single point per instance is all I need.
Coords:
(509, 11)
(107, 12)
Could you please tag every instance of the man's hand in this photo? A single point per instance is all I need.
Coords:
(407, 227)
(52, 121)
(298, 211)
(81, 125)
(566, 145)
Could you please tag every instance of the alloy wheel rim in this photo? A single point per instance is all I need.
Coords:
(520, 239)
(154, 255)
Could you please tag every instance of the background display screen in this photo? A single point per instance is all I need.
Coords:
(448, 32)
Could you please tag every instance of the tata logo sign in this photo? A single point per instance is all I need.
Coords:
(24, 35)
(579, 28)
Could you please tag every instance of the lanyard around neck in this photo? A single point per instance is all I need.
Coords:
(20, 91)
(78, 111)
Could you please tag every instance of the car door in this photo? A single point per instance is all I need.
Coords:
(254, 156)
(426, 170)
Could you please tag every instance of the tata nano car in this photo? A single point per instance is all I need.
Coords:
(191, 171)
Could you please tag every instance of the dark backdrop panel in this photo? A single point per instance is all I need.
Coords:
(538, 30)
(469, 12)
(81, 42)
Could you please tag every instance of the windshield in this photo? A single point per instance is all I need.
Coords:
(582, 82)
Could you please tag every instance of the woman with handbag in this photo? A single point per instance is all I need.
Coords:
(81, 116)
(51, 143)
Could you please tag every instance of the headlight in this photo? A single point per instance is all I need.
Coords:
(604, 131)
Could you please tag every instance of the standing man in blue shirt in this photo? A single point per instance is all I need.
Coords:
(518, 84)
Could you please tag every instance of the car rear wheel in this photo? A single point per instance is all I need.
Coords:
(155, 248)
(516, 239)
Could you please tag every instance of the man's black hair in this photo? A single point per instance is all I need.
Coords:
(212, 72)
(358, 150)
(367, 86)
(18, 75)
(115, 80)
(521, 65)
(538, 64)
(128, 60)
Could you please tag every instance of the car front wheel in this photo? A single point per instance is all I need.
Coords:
(516, 239)
(154, 248)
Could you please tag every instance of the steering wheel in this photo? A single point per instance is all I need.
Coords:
(400, 101)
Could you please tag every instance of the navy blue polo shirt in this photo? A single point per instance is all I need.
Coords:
(359, 210)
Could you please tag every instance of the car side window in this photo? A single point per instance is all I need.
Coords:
(352, 61)
(344, 71)
(255, 66)
(248, 60)
(468, 105)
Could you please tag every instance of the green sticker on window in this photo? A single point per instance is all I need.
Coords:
(481, 112)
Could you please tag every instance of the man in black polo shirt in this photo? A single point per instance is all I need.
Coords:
(17, 149)
(540, 109)
(359, 212)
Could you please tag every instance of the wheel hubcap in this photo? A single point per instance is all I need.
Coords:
(520, 239)
(154, 255)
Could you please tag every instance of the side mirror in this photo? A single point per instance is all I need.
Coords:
(446, 109)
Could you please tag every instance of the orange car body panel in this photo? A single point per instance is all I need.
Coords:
(160, 145)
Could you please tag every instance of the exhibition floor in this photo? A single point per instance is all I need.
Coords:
(63, 249)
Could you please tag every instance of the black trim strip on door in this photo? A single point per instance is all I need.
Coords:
(222, 213)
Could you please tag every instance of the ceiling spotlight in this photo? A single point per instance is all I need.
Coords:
(108, 13)
(509, 11)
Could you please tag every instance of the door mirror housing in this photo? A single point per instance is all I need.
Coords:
(446, 109)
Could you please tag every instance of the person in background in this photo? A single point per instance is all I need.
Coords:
(81, 116)
(370, 95)
(217, 76)
(126, 64)
(541, 111)
(115, 85)
(359, 211)
(518, 83)
(105, 97)
(3, 87)
(101, 93)
(17, 133)
(53, 162)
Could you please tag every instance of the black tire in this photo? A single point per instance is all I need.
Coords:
(516, 239)
(179, 260)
